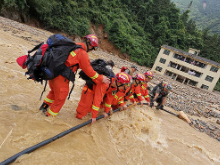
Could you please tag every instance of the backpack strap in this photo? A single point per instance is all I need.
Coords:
(71, 90)
(44, 89)
(35, 48)
(67, 72)
(86, 90)
(109, 84)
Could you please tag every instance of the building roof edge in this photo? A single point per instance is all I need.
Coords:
(192, 55)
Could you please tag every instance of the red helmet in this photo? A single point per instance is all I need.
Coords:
(92, 39)
(140, 77)
(123, 78)
(149, 74)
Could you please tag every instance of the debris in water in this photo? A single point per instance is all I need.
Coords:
(15, 107)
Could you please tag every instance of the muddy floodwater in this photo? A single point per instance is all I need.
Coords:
(137, 136)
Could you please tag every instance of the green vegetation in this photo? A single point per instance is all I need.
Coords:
(204, 12)
(136, 27)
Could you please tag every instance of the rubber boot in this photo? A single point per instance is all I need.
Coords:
(44, 107)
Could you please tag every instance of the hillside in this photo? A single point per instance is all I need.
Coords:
(136, 29)
(139, 135)
(204, 12)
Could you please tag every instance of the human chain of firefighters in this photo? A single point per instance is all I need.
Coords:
(107, 92)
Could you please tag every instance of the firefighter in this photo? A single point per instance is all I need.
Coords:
(60, 85)
(115, 99)
(144, 91)
(159, 94)
(134, 94)
(94, 98)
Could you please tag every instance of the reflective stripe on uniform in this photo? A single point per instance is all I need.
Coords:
(73, 53)
(131, 97)
(107, 105)
(120, 98)
(120, 102)
(95, 108)
(143, 87)
(116, 97)
(48, 100)
(139, 94)
(146, 96)
(52, 113)
(94, 77)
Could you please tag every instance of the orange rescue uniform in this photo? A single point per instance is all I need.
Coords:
(113, 99)
(134, 90)
(91, 101)
(144, 92)
(60, 85)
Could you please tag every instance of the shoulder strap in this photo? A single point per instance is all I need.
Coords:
(71, 91)
(44, 89)
(35, 48)
(109, 84)
(128, 91)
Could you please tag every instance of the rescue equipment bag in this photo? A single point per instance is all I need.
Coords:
(48, 61)
(101, 67)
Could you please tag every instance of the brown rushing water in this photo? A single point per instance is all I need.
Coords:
(137, 136)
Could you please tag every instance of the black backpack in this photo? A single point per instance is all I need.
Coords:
(99, 65)
(49, 60)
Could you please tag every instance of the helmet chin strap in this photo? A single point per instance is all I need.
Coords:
(88, 46)
(116, 82)
(136, 81)
(118, 85)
